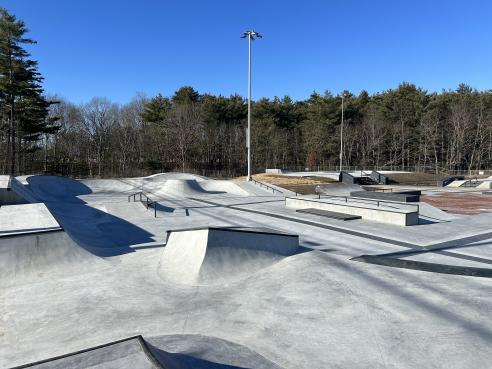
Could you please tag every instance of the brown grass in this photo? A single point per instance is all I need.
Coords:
(302, 185)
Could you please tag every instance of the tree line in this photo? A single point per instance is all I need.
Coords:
(405, 128)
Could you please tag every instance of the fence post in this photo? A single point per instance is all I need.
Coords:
(134, 197)
(155, 210)
(140, 194)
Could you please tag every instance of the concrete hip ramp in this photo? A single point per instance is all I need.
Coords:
(218, 255)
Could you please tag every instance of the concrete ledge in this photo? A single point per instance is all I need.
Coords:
(395, 216)
(329, 214)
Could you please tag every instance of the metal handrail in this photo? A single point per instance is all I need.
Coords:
(148, 201)
(267, 186)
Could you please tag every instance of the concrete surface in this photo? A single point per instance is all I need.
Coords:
(26, 218)
(314, 309)
(390, 213)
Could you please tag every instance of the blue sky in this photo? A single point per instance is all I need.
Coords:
(115, 49)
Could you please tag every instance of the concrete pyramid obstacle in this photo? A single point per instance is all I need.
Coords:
(203, 256)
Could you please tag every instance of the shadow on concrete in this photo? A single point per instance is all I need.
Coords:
(163, 208)
(204, 352)
(54, 188)
(424, 221)
(98, 232)
(184, 361)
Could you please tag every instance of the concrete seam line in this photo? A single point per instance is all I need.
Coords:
(425, 266)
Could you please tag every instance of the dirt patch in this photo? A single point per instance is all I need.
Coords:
(302, 185)
(459, 203)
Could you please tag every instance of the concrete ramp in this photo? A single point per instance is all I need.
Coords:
(486, 184)
(160, 177)
(338, 189)
(218, 255)
(180, 188)
(433, 213)
(228, 187)
(458, 183)
(54, 188)
(42, 255)
(22, 190)
(191, 187)
(111, 185)
(7, 195)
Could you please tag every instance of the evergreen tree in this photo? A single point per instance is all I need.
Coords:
(186, 95)
(23, 108)
(155, 111)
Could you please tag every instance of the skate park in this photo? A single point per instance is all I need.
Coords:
(176, 270)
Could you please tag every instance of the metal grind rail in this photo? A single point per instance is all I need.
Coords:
(266, 186)
(148, 201)
(378, 203)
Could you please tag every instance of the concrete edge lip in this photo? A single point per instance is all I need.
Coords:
(139, 338)
(236, 229)
(30, 232)
(425, 266)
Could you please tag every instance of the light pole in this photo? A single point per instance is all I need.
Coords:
(341, 137)
(251, 35)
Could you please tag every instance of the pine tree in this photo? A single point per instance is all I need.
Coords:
(23, 108)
